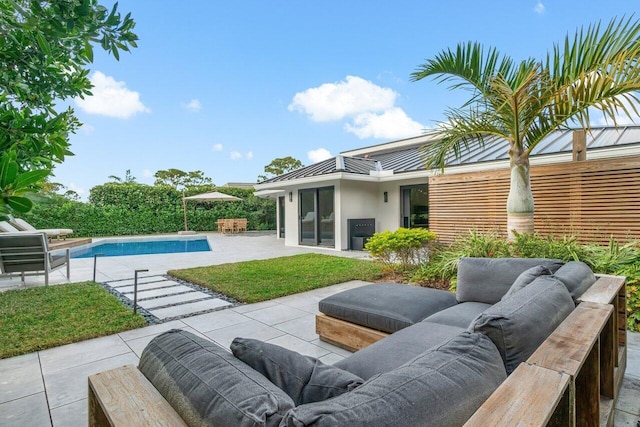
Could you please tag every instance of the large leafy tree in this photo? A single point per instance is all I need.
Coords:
(279, 166)
(180, 179)
(45, 48)
(522, 102)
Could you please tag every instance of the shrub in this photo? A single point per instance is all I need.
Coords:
(130, 209)
(404, 246)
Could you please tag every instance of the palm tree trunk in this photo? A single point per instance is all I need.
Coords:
(520, 201)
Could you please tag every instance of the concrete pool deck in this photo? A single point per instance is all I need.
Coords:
(49, 388)
(225, 248)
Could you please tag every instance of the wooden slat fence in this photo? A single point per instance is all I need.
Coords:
(592, 199)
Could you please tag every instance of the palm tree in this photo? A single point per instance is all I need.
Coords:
(524, 102)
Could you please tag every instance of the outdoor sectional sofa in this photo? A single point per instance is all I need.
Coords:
(522, 341)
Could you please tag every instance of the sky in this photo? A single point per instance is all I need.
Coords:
(227, 87)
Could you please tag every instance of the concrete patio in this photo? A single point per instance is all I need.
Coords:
(50, 387)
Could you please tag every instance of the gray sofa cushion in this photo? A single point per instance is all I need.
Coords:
(577, 277)
(206, 385)
(460, 315)
(440, 387)
(519, 324)
(396, 349)
(304, 378)
(488, 279)
(526, 277)
(387, 307)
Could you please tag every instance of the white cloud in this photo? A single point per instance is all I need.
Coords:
(335, 101)
(235, 155)
(216, 147)
(319, 155)
(391, 124)
(539, 8)
(249, 155)
(193, 105)
(146, 173)
(111, 98)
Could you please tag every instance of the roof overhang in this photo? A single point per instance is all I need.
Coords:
(263, 190)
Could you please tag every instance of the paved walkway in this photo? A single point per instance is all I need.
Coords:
(50, 387)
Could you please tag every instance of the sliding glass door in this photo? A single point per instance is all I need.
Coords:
(317, 225)
(415, 206)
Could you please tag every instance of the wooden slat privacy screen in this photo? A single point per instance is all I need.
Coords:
(592, 199)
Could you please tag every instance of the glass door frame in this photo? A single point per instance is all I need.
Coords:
(316, 223)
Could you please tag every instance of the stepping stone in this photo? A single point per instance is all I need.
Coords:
(148, 286)
(130, 282)
(189, 308)
(174, 299)
(160, 292)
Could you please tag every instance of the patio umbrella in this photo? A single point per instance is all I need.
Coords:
(214, 196)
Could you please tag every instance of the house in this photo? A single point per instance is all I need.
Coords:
(589, 182)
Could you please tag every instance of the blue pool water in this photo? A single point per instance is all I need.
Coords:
(142, 248)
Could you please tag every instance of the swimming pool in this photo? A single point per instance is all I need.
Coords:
(141, 247)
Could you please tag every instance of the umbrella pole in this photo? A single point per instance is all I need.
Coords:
(184, 209)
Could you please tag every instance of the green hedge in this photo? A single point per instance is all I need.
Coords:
(130, 209)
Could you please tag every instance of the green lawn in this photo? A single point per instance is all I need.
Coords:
(254, 281)
(39, 318)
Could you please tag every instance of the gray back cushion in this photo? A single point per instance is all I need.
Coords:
(440, 387)
(397, 349)
(488, 279)
(526, 278)
(304, 378)
(519, 324)
(577, 277)
(387, 307)
(206, 385)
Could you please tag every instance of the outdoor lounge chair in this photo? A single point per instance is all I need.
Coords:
(22, 225)
(28, 253)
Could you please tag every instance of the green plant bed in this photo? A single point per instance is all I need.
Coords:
(254, 281)
(40, 318)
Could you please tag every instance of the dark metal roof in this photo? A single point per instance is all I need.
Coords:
(409, 158)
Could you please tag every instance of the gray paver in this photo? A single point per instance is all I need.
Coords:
(302, 327)
(189, 308)
(27, 411)
(80, 353)
(173, 299)
(75, 414)
(141, 280)
(629, 397)
(147, 287)
(19, 377)
(160, 292)
(251, 329)
(276, 314)
(216, 320)
(70, 385)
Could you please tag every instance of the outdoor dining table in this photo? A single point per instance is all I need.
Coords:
(233, 225)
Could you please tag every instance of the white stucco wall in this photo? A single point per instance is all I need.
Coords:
(356, 200)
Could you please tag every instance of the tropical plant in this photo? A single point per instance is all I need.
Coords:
(45, 49)
(523, 102)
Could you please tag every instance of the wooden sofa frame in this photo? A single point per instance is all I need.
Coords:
(572, 379)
